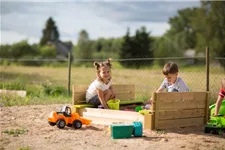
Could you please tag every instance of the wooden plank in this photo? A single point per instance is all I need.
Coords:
(207, 108)
(112, 113)
(178, 114)
(156, 109)
(80, 88)
(123, 87)
(177, 96)
(178, 105)
(200, 95)
(107, 121)
(123, 92)
(107, 116)
(125, 96)
(78, 98)
(176, 123)
(78, 94)
(20, 93)
(148, 121)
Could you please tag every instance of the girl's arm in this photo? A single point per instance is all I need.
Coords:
(218, 104)
(113, 94)
(101, 98)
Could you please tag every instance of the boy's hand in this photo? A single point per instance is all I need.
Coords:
(149, 101)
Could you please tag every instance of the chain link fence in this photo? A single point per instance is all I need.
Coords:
(146, 78)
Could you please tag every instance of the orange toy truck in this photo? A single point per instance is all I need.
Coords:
(67, 118)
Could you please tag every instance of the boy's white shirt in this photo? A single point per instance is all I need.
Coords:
(178, 86)
(96, 84)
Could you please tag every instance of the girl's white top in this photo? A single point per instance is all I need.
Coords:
(178, 86)
(96, 84)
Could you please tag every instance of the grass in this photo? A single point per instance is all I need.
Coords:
(25, 148)
(49, 84)
(15, 132)
(160, 131)
(9, 100)
(12, 85)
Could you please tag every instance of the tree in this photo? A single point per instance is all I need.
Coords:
(22, 48)
(143, 47)
(210, 24)
(181, 31)
(126, 49)
(5, 51)
(165, 48)
(139, 46)
(50, 32)
(84, 46)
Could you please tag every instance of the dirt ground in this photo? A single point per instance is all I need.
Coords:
(39, 135)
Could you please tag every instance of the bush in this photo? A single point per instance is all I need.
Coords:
(48, 51)
(12, 86)
(30, 61)
(52, 90)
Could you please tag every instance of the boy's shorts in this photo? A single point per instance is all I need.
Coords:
(94, 100)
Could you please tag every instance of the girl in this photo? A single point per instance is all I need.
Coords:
(100, 90)
(220, 97)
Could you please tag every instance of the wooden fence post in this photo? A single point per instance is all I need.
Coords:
(69, 72)
(207, 69)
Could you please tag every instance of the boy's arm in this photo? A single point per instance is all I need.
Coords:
(101, 98)
(160, 89)
(183, 87)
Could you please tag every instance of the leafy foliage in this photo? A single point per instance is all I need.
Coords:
(139, 46)
(181, 31)
(15, 132)
(209, 21)
(12, 86)
(52, 90)
(48, 52)
(84, 46)
(50, 32)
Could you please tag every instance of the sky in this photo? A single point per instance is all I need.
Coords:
(25, 20)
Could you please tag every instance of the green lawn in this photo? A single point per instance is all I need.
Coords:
(146, 80)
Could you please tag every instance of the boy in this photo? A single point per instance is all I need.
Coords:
(172, 83)
(220, 97)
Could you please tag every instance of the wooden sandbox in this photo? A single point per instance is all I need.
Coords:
(169, 109)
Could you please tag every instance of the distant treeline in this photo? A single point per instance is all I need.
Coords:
(192, 28)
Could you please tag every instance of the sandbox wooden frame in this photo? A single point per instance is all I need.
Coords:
(168, 110)
(177, 109)
(122, 91)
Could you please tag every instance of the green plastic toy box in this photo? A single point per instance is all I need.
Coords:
(119, 131)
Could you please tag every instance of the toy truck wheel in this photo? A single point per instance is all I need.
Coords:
(61, 123)
(51, 123)
(207, 130)
(77, 124)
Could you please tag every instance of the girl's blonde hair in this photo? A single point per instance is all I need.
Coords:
(98, 65)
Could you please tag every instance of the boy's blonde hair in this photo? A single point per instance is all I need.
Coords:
(223, 83)
(170, 68)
